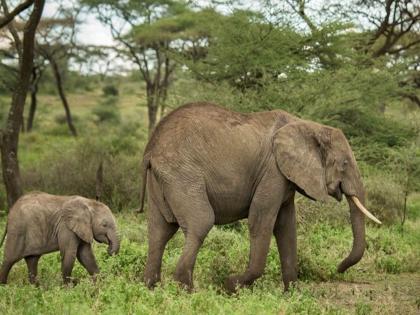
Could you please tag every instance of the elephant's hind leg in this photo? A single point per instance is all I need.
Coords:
(195, 216)
(159, 232)
(5, 269)
(12, 251)
(32, 263)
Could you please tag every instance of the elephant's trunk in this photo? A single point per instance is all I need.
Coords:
(358, 228)
(114, 243)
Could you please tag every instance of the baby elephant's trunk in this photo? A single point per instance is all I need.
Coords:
(114, 243)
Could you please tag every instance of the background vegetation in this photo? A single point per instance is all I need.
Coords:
(318, 62)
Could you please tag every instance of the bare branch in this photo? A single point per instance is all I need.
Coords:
(8, 17)
(13, 31)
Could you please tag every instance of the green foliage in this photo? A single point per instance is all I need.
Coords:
(107, 111)
(72, 170)
(110, 90)
(247, 52)
(384, 196)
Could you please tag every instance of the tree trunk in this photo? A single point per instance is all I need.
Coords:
(152, 107)
(22, 124)
(32, 108)
(10, 136)
(60, 89)
(152, 113)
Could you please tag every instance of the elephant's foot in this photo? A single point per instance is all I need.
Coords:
(151, 280)
(185, 280)
(94, 278)
(34, 281)
(289, 281)
(235, 282)
(70, 282)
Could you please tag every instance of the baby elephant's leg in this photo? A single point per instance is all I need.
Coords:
(86, 257)
(68, 243)
(32, 263)
(4, 270)
(12, 253)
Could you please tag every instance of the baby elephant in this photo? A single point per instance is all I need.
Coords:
(40, 223)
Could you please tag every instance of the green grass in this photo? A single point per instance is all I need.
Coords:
(372, 286)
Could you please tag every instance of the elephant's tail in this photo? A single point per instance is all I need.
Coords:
(4, 236)
(145, 166)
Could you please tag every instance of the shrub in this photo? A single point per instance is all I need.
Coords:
(107, 111)
(384, 196)
(110, 90)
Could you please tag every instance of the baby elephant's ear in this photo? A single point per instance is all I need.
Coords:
(78, 218)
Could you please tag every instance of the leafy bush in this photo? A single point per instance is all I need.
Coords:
(384, 196)
(107, 111)
(110, 90)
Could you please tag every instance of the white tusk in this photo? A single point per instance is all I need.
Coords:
(364, 210)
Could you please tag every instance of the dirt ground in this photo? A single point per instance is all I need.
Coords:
(381, 294)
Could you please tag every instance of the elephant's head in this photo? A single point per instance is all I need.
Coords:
(91, 219)
(319, 160)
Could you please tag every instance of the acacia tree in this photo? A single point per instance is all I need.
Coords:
(10, 134)
(385, 31)
(55, 45)
(127, 21)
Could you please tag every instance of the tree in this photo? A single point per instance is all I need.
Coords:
(55, 45)
(10, 135)
(128, 22)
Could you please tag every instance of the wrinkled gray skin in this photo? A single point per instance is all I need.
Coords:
(206, 165)
(40, 223)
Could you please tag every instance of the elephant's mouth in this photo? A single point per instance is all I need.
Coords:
(337, 193)
(103, 239)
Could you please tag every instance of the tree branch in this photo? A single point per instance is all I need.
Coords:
(8, 17)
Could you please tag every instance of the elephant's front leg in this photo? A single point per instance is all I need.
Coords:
(260, 243)
(285, 234)
(68, 243)
(261, 219)
(86, 257)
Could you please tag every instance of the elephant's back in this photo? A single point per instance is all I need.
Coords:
(181, 123)
(34, 209)
(202, 134)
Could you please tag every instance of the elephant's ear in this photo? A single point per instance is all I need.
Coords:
(298, 148)
(77, 216)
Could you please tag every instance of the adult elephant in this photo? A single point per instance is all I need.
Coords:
(207, 165)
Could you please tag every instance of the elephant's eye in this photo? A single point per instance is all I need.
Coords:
(104, 224)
